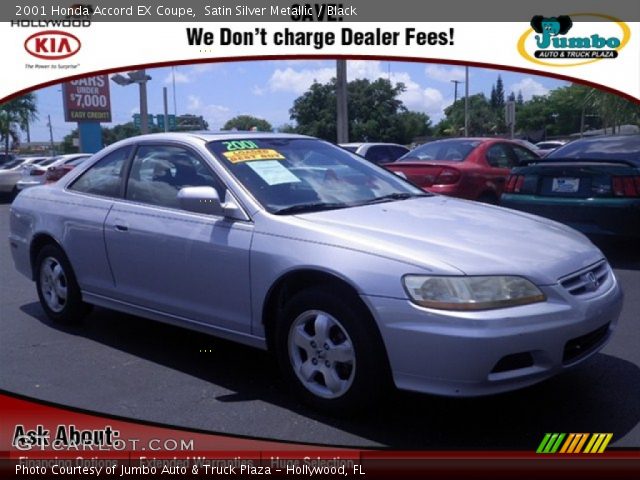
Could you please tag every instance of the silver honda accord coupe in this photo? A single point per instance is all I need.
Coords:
(353, 277)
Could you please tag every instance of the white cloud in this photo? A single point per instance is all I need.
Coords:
(256, 90)
(298, 81)
(204, 67)
(444, 74)
(529, 87)
(415, 97)
(181, 77)
(214, 114)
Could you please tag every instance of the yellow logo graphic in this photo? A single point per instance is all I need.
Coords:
(559, 47)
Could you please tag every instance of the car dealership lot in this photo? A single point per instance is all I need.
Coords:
(135, 368)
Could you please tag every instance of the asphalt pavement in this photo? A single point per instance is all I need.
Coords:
(131, 367)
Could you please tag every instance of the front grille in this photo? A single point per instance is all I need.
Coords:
(587, 280)
(581, 346)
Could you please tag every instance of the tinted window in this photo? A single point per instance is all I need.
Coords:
(46, 163)
(13, 163)
(498, 156)
(105, 176)
(611, 148)
(351, 149)
(159, 172)
(397, 152)
(524, 155)
(451, 150)
(378, 154)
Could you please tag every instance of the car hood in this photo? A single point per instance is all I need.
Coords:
(452, 236)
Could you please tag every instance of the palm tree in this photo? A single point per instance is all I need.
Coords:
(16, 115)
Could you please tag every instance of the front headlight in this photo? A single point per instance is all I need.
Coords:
(471, 293)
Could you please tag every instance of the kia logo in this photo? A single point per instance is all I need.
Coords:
(52, 45)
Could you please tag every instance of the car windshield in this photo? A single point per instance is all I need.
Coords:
(448, 150)
(12, 163)
(295, 175)
(529, 145)
(625, 149)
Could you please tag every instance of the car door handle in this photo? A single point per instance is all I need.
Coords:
(121, 228)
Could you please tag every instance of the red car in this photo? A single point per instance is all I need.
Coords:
(472, 168)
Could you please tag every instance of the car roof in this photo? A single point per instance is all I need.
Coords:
(607, 138)
(208, 136)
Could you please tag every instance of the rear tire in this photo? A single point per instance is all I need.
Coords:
(57, 287)
(329, 352)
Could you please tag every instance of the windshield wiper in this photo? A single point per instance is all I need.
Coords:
(395, 196)
(310, 207)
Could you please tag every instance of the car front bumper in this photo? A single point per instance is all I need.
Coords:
(602, 216)
(481, 353)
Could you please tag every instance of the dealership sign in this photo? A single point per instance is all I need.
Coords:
(87, 100)
(52, 45)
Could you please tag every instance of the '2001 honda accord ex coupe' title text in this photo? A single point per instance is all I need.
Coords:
(352, 276)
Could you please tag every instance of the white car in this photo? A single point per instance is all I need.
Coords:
(34, 173)
(11, 172)
(377, 153)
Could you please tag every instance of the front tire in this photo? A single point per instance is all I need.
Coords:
(57, 287)
(329, 351)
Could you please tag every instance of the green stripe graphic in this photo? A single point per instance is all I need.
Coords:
(543, 443)
(555, 448)
(551, 443)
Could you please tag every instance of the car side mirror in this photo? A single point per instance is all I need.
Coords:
(206, 200)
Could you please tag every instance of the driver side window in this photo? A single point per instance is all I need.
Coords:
(159, 172)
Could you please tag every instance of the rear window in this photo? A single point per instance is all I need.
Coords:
(12, 163)
(610, 149)
(448, 150)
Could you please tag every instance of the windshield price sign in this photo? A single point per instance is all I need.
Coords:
(87, 100)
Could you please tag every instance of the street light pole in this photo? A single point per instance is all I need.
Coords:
(141, 78)
(144, 114)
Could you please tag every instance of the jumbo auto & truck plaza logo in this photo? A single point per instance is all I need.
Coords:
(566, 40)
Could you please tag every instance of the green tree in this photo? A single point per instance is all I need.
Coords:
(109, 135)
(247, 123)
(14, 116)
(315, 111)
(482, 118)
(375, 111)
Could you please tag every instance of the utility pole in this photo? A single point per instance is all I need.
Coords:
(342, 120)
(53, 151)
(466, 101)
(455, 89)
(175, 103)
(166, 111)
(144, 112)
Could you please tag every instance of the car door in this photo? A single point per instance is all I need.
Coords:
(91, 196)
(184, 264)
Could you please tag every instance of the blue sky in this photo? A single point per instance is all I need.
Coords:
(267, 89)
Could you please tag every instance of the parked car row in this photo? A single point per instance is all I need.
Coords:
(590, 184)
(353, 277)
(24, 172)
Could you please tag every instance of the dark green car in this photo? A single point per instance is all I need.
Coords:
(592, 185)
